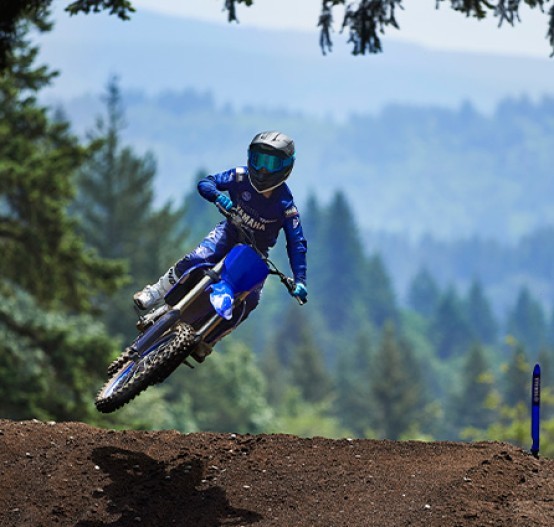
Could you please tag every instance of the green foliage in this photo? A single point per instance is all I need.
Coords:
(117, 217)
(51, 363)
(526, 322)
(482, 322)
(378, 294)
(512, 425)
(307, 368)
(298, 417)
(366, 21)
(354, 404)
(16, 14)
(450, 330)
(121, 8)
(396, 387)
(476, 389)
(423, 293)
(223, 394)
(38, 158)
(517, 377)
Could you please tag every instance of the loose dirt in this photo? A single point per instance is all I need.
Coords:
(71, 474)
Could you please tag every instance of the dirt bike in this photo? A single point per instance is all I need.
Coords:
(200, 300)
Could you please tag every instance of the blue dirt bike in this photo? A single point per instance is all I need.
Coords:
(193, 308)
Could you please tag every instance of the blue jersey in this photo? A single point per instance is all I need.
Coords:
(265, 216)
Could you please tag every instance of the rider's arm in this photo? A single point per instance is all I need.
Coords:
(211, 186)
(297, 245)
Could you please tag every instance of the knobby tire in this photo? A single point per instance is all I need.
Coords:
(156, 369)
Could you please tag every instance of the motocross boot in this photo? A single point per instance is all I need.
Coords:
(201, 351)
(152, 294)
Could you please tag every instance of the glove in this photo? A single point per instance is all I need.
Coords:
(301, 292)
(224, 201)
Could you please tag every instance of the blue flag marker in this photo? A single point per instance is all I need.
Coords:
(536, 409)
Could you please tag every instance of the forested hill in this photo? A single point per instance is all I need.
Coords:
(448, 169)
(450, 173)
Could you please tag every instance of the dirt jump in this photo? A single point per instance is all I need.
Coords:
(71, 474)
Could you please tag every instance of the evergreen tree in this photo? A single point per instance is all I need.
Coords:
(526, 322)
(550, 329)
(480, 316)
(224, 394)
(341, 269)
(51, 363)
(477, 384)
(397, 394)
(450, 330)
(40, 248)
(517, 378)
(115, 206)
(199, 218)
(275, 375)
(354, 403)
(312, 218)
(423, 293)
(379, 294)
(51, 357)
(307, 368)
(288, 335)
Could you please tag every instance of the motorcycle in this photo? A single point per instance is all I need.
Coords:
(193, 308)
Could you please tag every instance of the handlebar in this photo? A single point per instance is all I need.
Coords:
(248, 235)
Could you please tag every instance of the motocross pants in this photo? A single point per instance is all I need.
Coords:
(210, 251)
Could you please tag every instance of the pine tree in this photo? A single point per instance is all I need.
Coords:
(115, 206)
(423, 293)
(476, 388)
(51, 363)
(354, 403)
(51, 357)
(517, 378)
(200, 216)
(450, 330)
(526, 322)
(379, 294)
(307, 368)
(225, 394)
(40, 248)
(396, 389)
(340, 270)
(480, 316)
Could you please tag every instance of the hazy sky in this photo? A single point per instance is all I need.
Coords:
(419, 22)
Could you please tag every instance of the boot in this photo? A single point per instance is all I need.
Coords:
(201, 351)
(152, 294)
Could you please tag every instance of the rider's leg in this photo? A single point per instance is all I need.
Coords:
(152, 294)
(211, 249)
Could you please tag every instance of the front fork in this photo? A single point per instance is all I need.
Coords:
(165, 310)
(169, 315)
(213, 322)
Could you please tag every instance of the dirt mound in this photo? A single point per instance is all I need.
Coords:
(75, 475)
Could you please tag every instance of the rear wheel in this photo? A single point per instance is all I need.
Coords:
(131, 377)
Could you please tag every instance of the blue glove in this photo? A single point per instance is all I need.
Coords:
(301, 292)
(224, 201)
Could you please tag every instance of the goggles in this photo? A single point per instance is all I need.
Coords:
(271, 163)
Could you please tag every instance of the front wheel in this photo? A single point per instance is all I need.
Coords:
(153, 366)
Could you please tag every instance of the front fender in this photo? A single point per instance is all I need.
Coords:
(222, 297)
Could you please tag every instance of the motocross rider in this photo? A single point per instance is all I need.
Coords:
(260, 195)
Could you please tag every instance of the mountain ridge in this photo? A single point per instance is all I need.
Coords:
(247, 66)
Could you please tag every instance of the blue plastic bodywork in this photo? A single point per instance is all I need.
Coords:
(243, 270)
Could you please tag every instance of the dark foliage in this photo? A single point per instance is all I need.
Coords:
(366, 19)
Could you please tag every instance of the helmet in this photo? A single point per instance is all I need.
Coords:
(270, 160)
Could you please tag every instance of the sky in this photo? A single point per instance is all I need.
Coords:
(419, 23)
